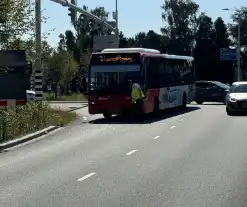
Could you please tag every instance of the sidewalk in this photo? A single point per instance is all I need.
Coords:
(68, 106)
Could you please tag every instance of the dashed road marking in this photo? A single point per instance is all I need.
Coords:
(131, 152)
(157, 137)
(86, 176)
(172, 127)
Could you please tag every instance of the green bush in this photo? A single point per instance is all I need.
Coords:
(30, 118)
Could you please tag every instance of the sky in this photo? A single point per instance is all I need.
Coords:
(134, 15)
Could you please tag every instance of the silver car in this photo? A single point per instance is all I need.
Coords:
(236, 99)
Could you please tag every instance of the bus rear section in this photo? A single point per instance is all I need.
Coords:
(169, 81)
(110, 77)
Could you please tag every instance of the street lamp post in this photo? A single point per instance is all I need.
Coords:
(117, 32)
(238, 48)
(239, 52)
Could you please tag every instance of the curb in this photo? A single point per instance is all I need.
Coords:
(27, 138)
(76, 108)
(85, 102)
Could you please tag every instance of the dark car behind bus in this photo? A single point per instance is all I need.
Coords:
(211, 91)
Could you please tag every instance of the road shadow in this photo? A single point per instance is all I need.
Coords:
(208, 104)
(243, 114)
(146, 119)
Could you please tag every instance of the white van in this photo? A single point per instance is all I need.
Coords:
(30, 95)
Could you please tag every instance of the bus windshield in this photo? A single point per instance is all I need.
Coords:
(111, 73)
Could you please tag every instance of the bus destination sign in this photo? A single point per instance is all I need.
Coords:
(118, 58)
(113, 59)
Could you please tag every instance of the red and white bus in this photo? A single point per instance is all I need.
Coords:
(166, 80)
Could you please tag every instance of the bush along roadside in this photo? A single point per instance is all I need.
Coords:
(22, 120)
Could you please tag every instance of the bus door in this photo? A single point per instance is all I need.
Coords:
(144, 66)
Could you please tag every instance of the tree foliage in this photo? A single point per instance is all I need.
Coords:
(180, 17)
(17, 20)
(185, 32)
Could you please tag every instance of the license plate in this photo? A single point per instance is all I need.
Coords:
(104, 98)
(244, 105)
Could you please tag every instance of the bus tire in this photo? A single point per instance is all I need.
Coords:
(199, 102)
(107, 116)
(184, 103)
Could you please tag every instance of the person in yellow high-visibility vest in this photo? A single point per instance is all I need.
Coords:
(137, 96)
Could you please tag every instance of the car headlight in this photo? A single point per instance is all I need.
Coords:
(232, 99)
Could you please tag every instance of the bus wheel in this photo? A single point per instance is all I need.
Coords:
(184, 104)
(199, 102)
(107, 116)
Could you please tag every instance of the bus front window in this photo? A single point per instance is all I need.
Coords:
(117, 82)
(112, 72)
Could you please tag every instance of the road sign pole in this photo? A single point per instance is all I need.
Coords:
(38, 62)
(239, 53)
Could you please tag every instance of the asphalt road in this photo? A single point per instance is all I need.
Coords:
(194, 159)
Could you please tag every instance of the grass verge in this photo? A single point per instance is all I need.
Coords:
(16, 122)
(71, 97)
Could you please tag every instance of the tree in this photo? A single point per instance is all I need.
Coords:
(61, 69)
(224, 69)
(222, 36)
(18, 20)
(123, 41)
(140, 39)
(151, 40)
(180, 15)
(240, 17)
(204, 46)
(156, 41)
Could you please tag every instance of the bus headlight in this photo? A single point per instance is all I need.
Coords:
(232, 99)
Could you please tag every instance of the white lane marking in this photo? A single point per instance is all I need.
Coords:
(131, 152)
(172, 127)
(86, 176)
(157, 137)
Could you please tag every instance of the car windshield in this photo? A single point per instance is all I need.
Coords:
(241, 88)
(222, 85)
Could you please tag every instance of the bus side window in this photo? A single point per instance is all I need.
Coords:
(186, 72)
(176, 72)
(171, 68)
(153, 79)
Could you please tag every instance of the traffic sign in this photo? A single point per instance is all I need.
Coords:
(228, 54)
(103, 42)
